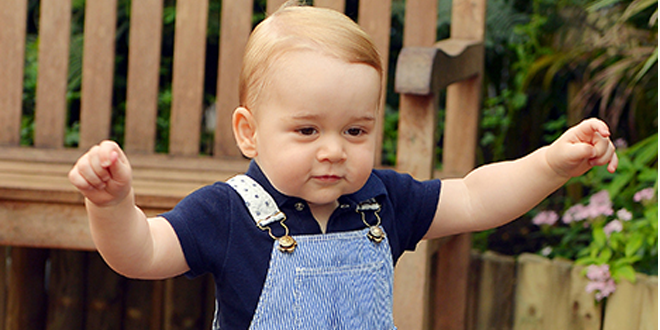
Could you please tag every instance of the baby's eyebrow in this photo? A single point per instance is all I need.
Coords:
(311, 116)
(304, 116)
(368, 118)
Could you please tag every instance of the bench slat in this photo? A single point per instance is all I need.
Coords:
(338, 5)
(48, 225)
(157, 161)
(188, 76)
(236, 26)
(143, 73)
(374, 16)
(98, 70)
(273, 5)
(415, 144)
(13, 18)
(51, 105)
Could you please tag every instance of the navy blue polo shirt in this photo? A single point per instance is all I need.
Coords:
(218, 236)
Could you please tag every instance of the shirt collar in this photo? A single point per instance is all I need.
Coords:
(373, 188)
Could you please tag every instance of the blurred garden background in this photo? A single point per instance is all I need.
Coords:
(549, 64)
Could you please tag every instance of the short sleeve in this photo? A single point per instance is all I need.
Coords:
(414, 203)
(200, 222)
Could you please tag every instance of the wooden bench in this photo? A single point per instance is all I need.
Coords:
(42, 218)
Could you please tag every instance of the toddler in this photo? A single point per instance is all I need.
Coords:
(309, 236)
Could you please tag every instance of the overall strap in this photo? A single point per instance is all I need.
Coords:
(261, 205)
(263, 209)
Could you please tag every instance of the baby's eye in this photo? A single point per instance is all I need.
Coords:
(307, 131)
(355, 131)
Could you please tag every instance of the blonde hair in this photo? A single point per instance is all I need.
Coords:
(297, 27)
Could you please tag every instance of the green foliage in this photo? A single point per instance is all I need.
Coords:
(623, 234)
(498, 115)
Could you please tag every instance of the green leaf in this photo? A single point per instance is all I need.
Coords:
(604, 256)
(651, 214)
(586, 261)
(620, 182)
(636, 7)
(614, 243)
(597, 5)
(626, 261)
(647, 154)
(626, 272)
(600, 239)
(634, 243)
(653, 59)
(648, 175)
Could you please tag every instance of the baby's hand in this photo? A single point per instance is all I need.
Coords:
(582, 147)
(103, 174)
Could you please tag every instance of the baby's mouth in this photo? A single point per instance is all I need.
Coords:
(327, 178)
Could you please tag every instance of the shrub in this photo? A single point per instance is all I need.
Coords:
(615, 231)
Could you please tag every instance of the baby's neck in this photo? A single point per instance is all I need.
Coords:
(322, 213)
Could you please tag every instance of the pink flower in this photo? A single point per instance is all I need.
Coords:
(613, 226)
(598, 273)
(599, 204)
(603, 289)
(644, 195)
(600, 198)
(600, 281)
(620, 143)
(624, 215)
(576, 212)
(545, 218)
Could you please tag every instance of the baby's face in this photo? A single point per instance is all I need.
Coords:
(316, 126)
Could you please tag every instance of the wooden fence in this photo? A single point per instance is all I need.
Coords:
(531, 292)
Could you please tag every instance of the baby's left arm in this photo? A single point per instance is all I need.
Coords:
(495, 194)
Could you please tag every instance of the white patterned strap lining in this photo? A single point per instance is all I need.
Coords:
(261, 205)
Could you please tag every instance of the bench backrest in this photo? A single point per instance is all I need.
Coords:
(51, 110)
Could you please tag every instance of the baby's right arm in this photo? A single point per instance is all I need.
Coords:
(132, 244)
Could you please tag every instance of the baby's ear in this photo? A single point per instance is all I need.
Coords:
(245, 132)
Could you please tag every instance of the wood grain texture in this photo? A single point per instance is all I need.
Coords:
(66, 290)
(427, 70)
(273, 5)
(236, 25)
(98, 72)
(13, 18)
(625, 304)
(105, 295)
(143, 74)
(4, 255)
(532, 291)
(188, 76)
(585, 314)
(338, 5)
(26, 296)
(496, 288)
(183, 304)
(374, 16)
(51, 104)
(415, 156)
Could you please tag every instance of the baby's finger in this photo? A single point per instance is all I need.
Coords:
(613, 164)
(78, 181)
(605, 153)
(592, 125)
(86, 169)
(98, 160)
(114, 161)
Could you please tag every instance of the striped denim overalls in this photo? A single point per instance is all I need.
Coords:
(329, 281)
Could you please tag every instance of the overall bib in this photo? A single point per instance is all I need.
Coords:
(330, 281)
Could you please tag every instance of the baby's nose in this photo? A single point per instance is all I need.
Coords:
(331, 150)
